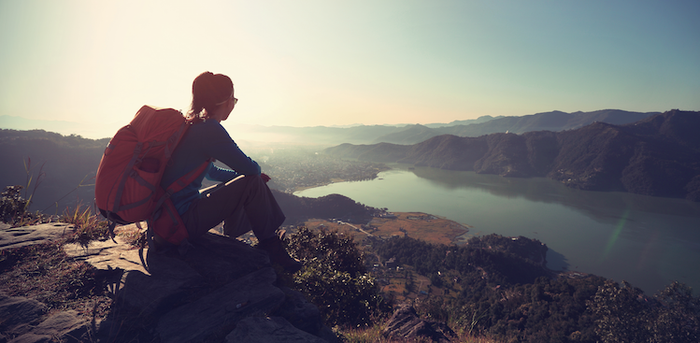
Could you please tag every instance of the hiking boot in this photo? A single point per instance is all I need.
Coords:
(278, 255)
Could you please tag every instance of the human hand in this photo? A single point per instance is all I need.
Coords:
(265, 177)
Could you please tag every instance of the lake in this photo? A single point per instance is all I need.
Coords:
(647, 241)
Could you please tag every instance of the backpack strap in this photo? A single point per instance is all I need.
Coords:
(165, 221)
(120, 189)
(181, 183)
(186, 179)
(110, 229)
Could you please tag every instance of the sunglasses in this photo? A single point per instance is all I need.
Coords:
(235, 101)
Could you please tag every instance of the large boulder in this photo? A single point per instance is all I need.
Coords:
(219, 290)
(203, 294)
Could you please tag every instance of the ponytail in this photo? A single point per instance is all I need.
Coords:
(208, 91)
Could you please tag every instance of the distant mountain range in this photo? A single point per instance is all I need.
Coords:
(549, 121)
(658, 155)
(106, 128)
(411, 134)
(481, 119)
(369, 134)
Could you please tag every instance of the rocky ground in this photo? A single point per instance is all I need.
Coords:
(221, 290)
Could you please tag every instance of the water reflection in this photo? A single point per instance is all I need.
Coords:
(601, 206)
(647, 241)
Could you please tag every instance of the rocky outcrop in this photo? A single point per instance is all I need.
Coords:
(220, 290)
(405, 324)
(271, 329)
(24, 320)
(15, 237)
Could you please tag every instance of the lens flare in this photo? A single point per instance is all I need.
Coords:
(615, 234)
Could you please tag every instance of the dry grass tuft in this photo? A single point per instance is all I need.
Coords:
(88, 226)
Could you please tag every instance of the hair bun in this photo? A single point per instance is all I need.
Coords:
(208, 90)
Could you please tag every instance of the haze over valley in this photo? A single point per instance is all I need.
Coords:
(370, 134)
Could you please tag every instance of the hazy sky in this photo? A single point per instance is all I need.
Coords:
(308, 62)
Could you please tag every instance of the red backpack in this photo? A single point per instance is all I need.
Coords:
(127, 184)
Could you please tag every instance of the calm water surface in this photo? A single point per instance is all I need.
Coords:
(647, 241)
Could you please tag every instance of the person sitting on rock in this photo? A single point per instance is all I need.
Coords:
(242, 200)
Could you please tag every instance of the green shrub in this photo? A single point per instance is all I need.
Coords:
(334, 278)
(13, 208)
(12, 205)
(625, 314)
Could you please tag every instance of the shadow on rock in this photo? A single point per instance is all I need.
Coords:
(205, 294)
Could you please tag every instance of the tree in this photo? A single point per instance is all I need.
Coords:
(334, 278)
(677, 316)
(622, 314)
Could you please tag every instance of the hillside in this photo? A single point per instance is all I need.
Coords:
(333, 206)
(61, 166)
(63, 169)
(657, 156)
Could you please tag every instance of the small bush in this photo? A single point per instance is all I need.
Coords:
(335, 280)
(13, 208)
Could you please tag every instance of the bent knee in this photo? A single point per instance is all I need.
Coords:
(250, 180)
(246, 178)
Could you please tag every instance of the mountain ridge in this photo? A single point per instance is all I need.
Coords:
(545, 121)
(657, 156)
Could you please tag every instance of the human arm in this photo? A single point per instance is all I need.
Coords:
(221, 147)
